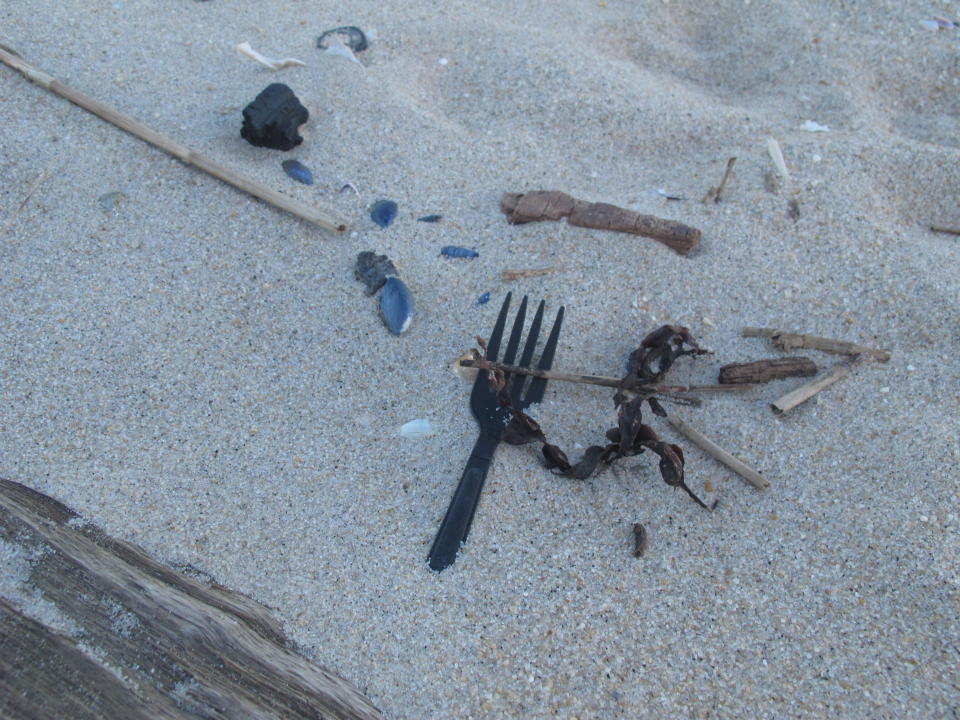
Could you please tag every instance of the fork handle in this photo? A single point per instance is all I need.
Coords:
(456, 523)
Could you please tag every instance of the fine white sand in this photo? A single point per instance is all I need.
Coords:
(200, 373)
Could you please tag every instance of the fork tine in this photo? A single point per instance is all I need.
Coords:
(515, 334)
(528, 349)
(539, 385)
(493, 343)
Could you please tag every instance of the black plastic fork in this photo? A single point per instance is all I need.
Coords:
(492, 419)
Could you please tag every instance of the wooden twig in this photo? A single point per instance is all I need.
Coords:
(607, 381)
(792, 341)
(23, 203)
(508, 275)
(323, 218)
(715, 193)
(552, 205)
(808, 390)
(718, 453)
(947, 230)
(761, 371)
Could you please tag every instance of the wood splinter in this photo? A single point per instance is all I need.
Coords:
(715, 193)
(762, 371)
(718, 453)
(808, 390)
(794, 341)
(552, 205)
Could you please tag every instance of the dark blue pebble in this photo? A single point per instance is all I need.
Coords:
(430, 218)
(396, 305)
(298, 171)
(458, 252)
(483, 299)
(383, 212)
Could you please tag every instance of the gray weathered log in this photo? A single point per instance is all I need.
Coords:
(146, 641)
(761, 371)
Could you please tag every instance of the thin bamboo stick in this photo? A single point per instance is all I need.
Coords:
(718, 453)
(323, 218)
(808, 390)
(947, 230)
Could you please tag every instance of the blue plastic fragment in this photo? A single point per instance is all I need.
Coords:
(396, 305)
(383, 212)
(483, 299)
(298, 171)
(430, 218)
(458, 252)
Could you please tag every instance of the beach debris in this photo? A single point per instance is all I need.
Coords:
(805, 392)
(110, 201)
(383, 212)
(718, 453)
(776, 154)
(396, 305)
(793, 341)
(553, 204)
(298, 171)
(325, 219)
(350, 186)
(714, 193)
(763, 371)
(272, 63)
(946, 230)
(508, 275)
(483, 299)
(338, 49)
(453, 251)
(814, 127)
(430, 218)
(639, 540)
(373, 270)
(26, 198)
(648, 363)
(349, 35)
(793, 209)
(939, 23)
(417, 429)
(272, 119)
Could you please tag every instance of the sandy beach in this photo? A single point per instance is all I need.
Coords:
(202, 374)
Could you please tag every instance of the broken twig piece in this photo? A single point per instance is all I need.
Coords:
(715, 193)
(947, 230)
(807, 391)
(794, 341)
(553, 205)
(718, 453)
(508, 275)
(762, 371)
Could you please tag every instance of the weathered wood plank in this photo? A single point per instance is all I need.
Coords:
(145, 635)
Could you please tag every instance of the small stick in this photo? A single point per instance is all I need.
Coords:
(793, 341)
(718, 453)
(26, 199)
(761, 371)
(607, 381)
(323, 218)
(947, 230)
(715, 193)
(508, 275)
(808, 390)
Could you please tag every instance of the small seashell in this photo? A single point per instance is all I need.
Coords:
(416, 429)
(298, 171)
(430, 218)
(483, 299)
(396, 305)
(383, 212)
(458, 252)
(373, 270)
(811, 126)
(272, 63)
(349, 35)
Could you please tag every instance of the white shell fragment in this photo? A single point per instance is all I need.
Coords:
(272, 63)
(416, 429)
(338, 49)
(773, 147)
(811, 126)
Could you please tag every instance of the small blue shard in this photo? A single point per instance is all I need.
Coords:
(383, 212)
(396, 305)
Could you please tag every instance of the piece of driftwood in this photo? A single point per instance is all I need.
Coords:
(640, 540)
(762, 371)
(553, 205)
(323, 218)
(718, 453)
(716, 192)
(947, 230)
(803, 393)
(144, 641)
(794, 341)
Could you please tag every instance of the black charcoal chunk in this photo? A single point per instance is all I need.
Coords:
(272, 119)
(373, 270)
